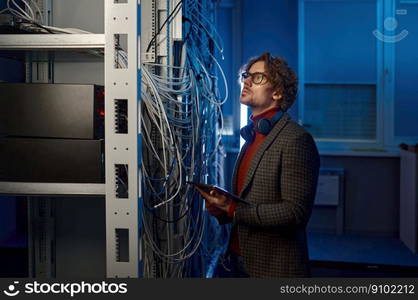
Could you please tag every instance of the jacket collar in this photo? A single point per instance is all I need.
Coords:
(260, 153)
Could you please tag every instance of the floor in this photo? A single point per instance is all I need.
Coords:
(331, 256)
(360, 256)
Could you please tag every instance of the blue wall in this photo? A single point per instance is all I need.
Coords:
(271, 26)
(266, 26)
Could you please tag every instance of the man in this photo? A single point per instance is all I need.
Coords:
(277, 172)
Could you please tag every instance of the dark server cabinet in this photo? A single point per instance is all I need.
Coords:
(51, 160)
(52, 110)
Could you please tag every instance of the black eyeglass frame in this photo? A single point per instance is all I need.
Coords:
(264, 77)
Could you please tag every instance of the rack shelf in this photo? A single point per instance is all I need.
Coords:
(50, 189)
(51, 41)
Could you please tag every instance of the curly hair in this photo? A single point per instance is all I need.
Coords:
(280, 75)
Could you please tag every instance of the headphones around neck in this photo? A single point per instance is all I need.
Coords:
(263, 126)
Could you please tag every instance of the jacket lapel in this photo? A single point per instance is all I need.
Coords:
(259, 154)
(236, 166)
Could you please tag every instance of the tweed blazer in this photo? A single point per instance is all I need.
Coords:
(281, 185)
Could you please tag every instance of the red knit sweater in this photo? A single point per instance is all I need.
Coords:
(243, 170)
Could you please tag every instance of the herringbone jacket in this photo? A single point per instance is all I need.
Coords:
(281, 184)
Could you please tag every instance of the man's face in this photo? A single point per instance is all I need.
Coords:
(259, 97)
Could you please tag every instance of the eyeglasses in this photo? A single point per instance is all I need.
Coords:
(256, 77)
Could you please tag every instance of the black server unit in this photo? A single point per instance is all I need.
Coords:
(51, 160)
(73, 111)
(51, 133)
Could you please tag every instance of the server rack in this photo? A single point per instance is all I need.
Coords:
(122, 218)
(123, 139)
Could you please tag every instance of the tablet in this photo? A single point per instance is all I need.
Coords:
(208, 187)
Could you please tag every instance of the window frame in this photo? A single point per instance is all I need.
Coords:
(385, 84)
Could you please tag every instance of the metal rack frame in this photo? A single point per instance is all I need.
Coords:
(122, 215)
(123, 148)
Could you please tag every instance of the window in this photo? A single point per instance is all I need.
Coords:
(356, 70)
(341, 111)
